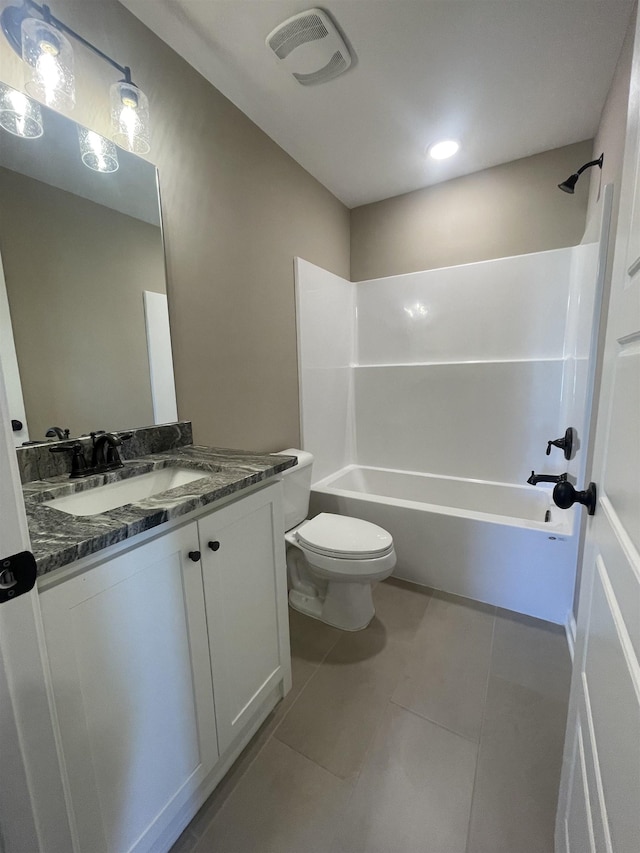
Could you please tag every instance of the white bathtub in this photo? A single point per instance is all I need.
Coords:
(482, 540)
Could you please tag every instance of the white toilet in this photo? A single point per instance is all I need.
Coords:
(332, 560)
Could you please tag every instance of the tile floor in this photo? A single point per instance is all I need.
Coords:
(438, 729)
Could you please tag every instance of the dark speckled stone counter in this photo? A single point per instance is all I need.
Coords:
(58, 539)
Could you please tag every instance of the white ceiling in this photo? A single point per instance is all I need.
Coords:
(508, 78)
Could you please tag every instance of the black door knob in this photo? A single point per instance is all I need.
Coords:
(16, 425)
(565, 495)
(213, 545)
(194, 555)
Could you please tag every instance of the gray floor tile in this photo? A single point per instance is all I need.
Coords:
(531, 653)
(400, 607)
(234, 776)
(414, 792)
(446, 677)
(519, 762)
(284, 804)
(310, 638)
(186, 842)
(310, 642)
(336, 716)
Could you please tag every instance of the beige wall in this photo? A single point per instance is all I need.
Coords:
(610, 137)
(506, 210)
(75, 272)
(236, 209)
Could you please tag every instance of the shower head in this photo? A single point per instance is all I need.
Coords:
(569, 185)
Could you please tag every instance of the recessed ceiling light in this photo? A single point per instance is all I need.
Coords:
(444, 149)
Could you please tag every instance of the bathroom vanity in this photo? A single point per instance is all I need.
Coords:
(166, 633)
(162, 585)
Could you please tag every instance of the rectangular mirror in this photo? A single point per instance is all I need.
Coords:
(84, 331)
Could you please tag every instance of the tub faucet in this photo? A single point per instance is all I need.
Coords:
(534, 479)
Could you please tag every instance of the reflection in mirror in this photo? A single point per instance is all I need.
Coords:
(79, 249)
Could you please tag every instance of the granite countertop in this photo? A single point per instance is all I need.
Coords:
(58, 539)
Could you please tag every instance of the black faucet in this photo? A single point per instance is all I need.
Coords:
(78, 462)
(54, 432)
(105, 456)
(534, 479)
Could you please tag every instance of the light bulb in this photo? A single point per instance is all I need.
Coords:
(49, 58)
(130, 117)
(444, 149)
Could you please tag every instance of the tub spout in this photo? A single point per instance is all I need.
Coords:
(534, 479)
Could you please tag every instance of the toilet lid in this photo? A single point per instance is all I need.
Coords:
(342, 536)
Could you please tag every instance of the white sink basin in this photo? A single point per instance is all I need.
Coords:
(113, 495)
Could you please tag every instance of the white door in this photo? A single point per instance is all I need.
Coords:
(599, 805)
(243, 564)
(32, 803)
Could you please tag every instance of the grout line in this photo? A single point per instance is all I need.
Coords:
(314, 762)
(436, 723)
(482, 722)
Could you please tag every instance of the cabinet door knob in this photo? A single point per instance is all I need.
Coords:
(213, 545)
(194, 555)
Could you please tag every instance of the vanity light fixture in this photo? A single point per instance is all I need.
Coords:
(130, 117)
(97, 153)
(41, 40)
(20, 115)
(444, 149)
(49, 58)
(569, 185)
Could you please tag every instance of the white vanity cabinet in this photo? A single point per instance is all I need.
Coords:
(146, 649)
(243, 560)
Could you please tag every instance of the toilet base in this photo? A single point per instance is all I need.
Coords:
(348, 606)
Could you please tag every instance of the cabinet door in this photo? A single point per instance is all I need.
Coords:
(246, 600)
(129, 657)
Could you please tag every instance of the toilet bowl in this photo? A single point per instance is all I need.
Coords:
(332, 560)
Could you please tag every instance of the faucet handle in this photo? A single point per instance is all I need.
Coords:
(78, 462)
(565, 443)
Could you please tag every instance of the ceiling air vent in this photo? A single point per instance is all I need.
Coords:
(310, 47)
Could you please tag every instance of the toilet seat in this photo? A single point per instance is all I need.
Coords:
(344, 538)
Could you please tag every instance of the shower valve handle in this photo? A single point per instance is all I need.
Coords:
(565, 443)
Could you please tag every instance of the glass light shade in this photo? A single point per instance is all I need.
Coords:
(19, 114)
(130, 118)
(97, 153)
(49, 58)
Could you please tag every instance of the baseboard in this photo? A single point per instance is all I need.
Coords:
(570, 630)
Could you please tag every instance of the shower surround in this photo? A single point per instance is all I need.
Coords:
(428, 398)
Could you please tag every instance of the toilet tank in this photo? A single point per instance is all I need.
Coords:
(296, 484)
